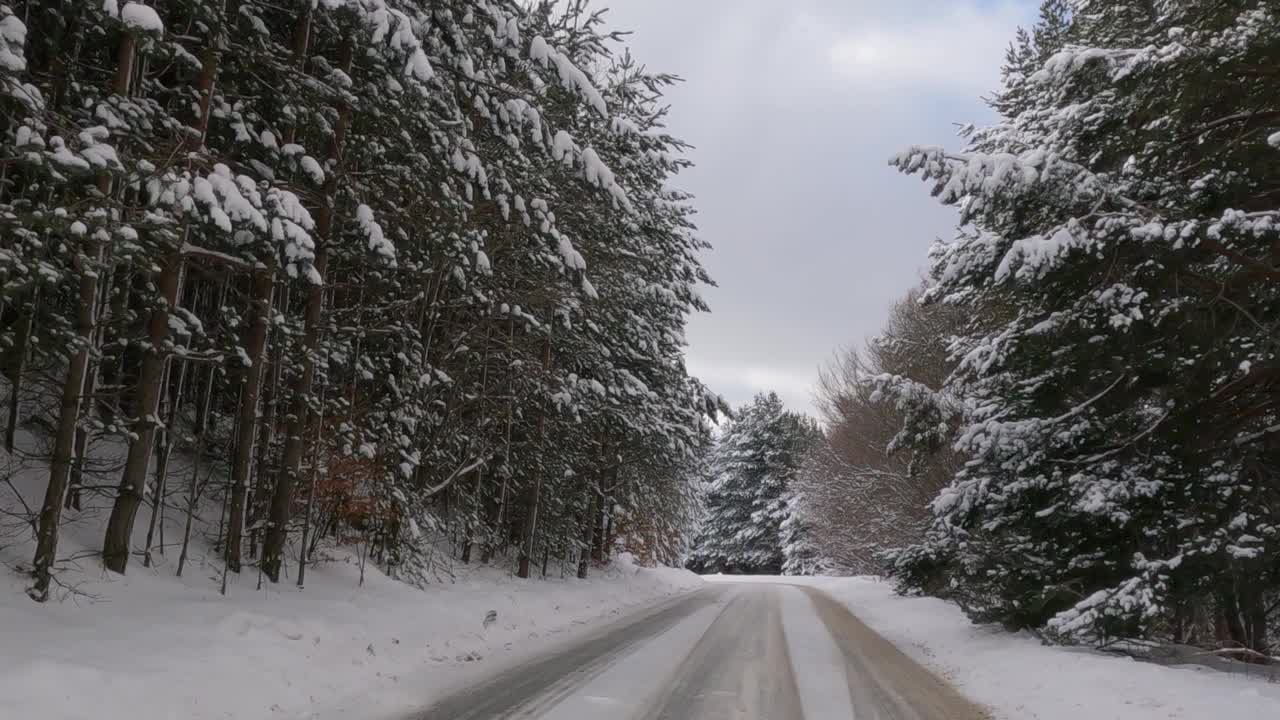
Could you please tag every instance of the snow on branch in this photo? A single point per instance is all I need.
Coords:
(391, 29)
(377, 241)
(239, 212)
(980, 177)
(571, 77)
(457, 473)
(592, 169)
(137, 16)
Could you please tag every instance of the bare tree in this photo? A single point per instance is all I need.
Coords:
(862, 498)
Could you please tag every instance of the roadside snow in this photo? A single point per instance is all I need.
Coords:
(178, 649)
(1021, 679)
(152, 646)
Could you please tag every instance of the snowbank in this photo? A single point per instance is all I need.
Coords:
(1021, 679)
(153, 646)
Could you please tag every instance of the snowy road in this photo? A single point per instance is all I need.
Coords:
(754, 651)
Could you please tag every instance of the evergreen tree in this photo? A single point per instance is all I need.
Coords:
(1121, 423)
(801, 554)
(417, 270)
(747, 502)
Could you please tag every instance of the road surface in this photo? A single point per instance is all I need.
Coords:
(752, 651)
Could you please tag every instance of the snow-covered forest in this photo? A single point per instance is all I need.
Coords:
(396, 293)
(1074, 426)
(382, 273)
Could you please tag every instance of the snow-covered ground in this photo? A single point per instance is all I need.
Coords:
(1020, 678)
(151, 646)
(156, 647)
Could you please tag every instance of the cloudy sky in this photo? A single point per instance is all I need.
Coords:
(794, 107)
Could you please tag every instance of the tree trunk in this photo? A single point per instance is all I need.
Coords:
(294, 443)
(16, 369)
(469, 529)
(534, 496)
(529, 531)
(589, 529)
(81, 444)
(68, 421)
(609, 538)
(1231, 632)
(597, 525)
(193, 492)
(303, 551)
(90, 391)
(266, 437)
(111, 374)
(115, 544)
(495, 529)
(282, 498)
(247, 422)
(1253, 613)
(167, 441)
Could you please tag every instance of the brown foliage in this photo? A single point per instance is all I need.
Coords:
(862, 499)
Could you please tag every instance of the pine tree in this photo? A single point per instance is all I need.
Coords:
(801, 554)
(747, 502)
(424, 265)
(1120, 424)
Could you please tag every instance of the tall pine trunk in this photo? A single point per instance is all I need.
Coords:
(277, 530)
(287, 479)
(17, 367)
(533, 497)
(496, 522)
(193, 492)
(90, 389)
(473, 522)
(68, 422)
(115, 544)
(247, 423)
(589, 529)
(304, 552)
(73, 387)
(266, 435)
(168, 439)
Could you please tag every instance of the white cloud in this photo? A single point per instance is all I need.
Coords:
(793, 107)
(780, 55)
(739, 382)
(961, 49)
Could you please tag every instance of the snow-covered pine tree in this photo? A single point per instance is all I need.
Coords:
(754, 461)
(801, 553)
(425, 260)
(1121, 424)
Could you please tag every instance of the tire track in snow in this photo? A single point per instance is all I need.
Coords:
(884, 683)
(538, 684)
(817, 662)
(739, 670)
(628, 686)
